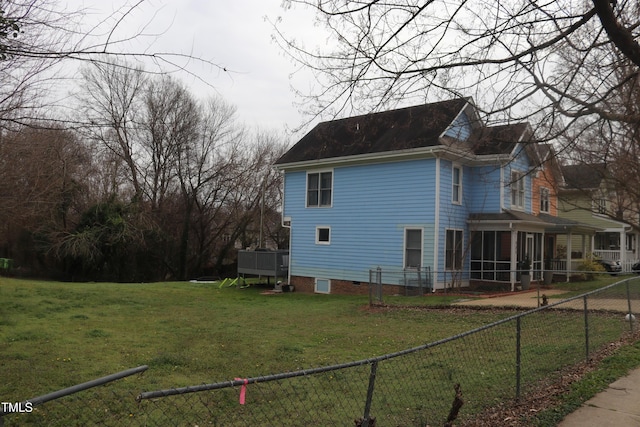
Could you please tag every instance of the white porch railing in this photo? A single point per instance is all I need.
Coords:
(615, 255)
(560, 266)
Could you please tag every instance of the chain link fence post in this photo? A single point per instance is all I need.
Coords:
(518, 356)
(367, 407)
(586, 328)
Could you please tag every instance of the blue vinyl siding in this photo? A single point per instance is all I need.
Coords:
(453, 216)
(522, 164)
(484, 193)
(372, 205)
(460, 128)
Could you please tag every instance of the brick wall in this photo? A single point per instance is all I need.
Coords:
(342, 287)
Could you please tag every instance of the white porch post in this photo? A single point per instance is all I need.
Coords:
(569, 249)
(623, 247)
(514, 258)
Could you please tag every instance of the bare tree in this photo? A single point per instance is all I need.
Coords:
(170, 126)
(608, 142)
(208, 171)
(38, 38)
(111, 101)
(510, 56)
(43, 175)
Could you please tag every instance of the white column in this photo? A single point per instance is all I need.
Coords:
(569, 249)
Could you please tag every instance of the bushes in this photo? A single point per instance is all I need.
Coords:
(588, 269)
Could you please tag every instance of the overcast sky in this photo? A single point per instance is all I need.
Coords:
(233, 34)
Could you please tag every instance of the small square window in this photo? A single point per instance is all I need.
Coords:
(322, 286)
(323, 235)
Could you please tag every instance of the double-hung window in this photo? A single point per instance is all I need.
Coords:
(412, 248)
(456, 190)
(319, 189)
(544, 200)
(517, 190)
(453, 250)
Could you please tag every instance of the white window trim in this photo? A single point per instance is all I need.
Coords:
(599, 205)
(453, 184)
(318, 228)
(404, 245)
(315, 286)
(306, 188)
(544, 190)
(518, 179)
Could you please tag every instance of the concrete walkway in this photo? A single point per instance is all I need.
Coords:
(618, 405)
(527, 299)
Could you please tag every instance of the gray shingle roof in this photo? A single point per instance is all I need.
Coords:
(497, 139)
(584, 176)
(395, 130)
(405, 128)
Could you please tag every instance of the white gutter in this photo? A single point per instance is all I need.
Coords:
(398, 155)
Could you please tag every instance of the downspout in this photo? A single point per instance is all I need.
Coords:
(436, 226)
(286, 223)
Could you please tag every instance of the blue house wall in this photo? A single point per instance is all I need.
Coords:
(372, 206)
(460, 128)
(485, 189)
(452, 216)
(522, 164)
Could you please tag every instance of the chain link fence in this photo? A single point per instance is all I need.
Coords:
(454, 378)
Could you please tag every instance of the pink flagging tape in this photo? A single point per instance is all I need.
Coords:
(243, 389)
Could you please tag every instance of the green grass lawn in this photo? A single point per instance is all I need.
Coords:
(55, 335)
(580, 287)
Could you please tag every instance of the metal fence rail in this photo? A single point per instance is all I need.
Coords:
(499, 362)
(25, 408)
(416, 387)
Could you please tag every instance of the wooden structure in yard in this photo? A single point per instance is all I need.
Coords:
(262, 262)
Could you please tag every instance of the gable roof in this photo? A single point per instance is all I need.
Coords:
(498, 139)
(584, 176)
(403, 129)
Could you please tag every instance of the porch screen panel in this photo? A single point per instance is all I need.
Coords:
(476, 255)
(503, 255)
(489, 255)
